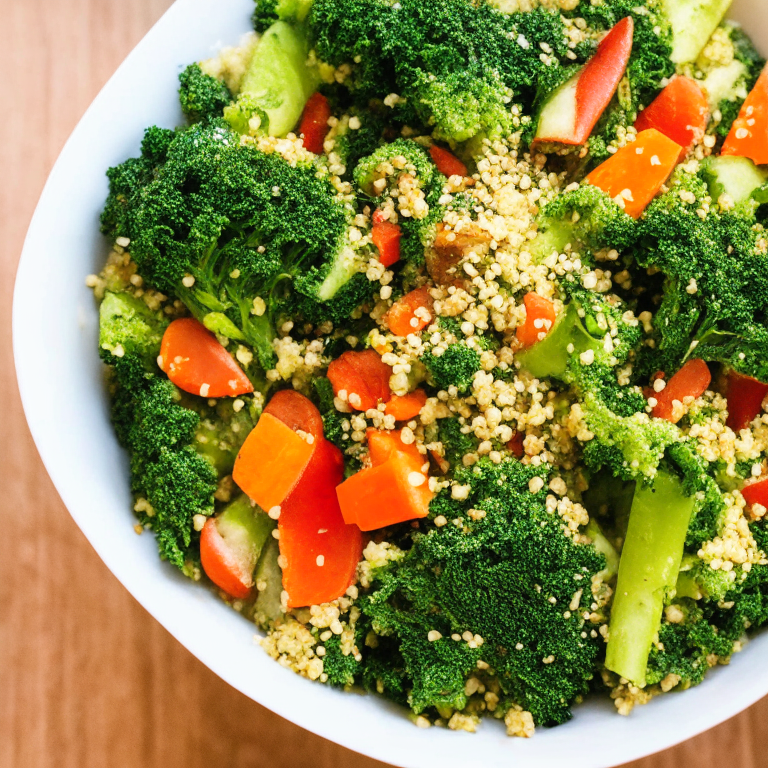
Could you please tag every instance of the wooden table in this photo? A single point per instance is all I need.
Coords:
(87, 678)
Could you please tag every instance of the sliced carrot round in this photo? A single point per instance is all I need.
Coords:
(296, 411)
(680, 112)
(364, 378)
(540, 316)
(194, 361)
(691, 380)
(447, 163)
(404, 407)
(404, 316)
(637, 172)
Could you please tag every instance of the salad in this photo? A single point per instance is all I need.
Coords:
(437, 336)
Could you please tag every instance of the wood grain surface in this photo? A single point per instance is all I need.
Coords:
(87, 678)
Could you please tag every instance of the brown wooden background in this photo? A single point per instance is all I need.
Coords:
(87, 678)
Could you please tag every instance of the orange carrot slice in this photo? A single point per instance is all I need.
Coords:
(390, 493)
(637, 172)
(194, 361)
(271, 461)
(447, 163)
(363, 376)
(404, 407)
(680, 112)
(382, 444)
(691, 380)
(402, 317)
(539, 318)
(320, 551)
(749, 133)
(314, 123)
(386, 237)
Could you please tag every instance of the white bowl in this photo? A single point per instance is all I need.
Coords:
(59, 373)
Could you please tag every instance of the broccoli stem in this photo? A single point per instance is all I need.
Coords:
(648, 569)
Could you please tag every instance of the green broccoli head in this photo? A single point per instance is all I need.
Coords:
(587, 219)
(454, 367)
(128, 326)
(507, 572)
(220, 225)
(174, 480)
(269, 11)
(715, 282)
(202, 97)
(454, 66)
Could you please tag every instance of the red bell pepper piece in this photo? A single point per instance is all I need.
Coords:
(363, 376)
(319, 552)
(756, 492)
(386, 237)
(745, 397)
(691, 380)
(574, 108)
(314, 123)
(680, 112)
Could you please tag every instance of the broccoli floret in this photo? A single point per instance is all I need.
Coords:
(418, 172)
(128, 326)
(455, 367)
(716, 281)
(352, 146)
(174, 481)
(454, 65)
(331, 417)
(505, 574)
(456, 443)
(202, 97)
(587, 219)
(221, 225)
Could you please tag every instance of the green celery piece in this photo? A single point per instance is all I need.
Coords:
(278, 81)
(550, 356)
(693, 22)
(268, 607)
(648, 571)
(245, 529)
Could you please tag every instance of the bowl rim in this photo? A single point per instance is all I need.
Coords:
(274, 689)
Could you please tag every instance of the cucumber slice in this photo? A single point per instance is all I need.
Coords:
(737, 177)
(693, 22)
(245, 529)
(278, 81)
(268, 607)
(557, 120)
